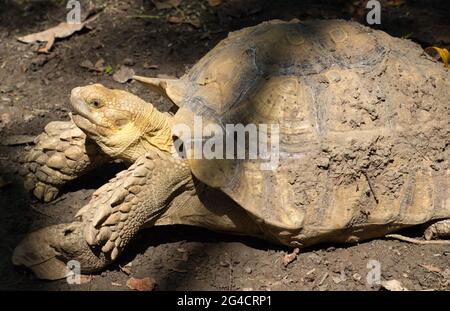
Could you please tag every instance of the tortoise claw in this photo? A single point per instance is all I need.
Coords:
(37, 252)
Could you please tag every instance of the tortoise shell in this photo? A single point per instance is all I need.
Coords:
(363, 125)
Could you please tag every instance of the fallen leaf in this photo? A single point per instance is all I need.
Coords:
(4, 183)
(149, 66)
(195, 22)
(100, 65)
(431, 268)
(62, 30)
(395, 3)
(214, 3)
(143, 285)
(87, 64)
(166, 4)
(124, 74)
(393, 286)
(288, 258)
(14, 140)
(85, 278)
(443, 53)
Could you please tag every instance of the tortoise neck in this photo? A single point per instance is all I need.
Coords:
(152, 131)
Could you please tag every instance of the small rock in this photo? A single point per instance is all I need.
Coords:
(20, 85)
(224, 264)
(6, 99)
(247, 289)
(357, 276)
(128, 62)
(393, 285)
(336, 279)
(6, 118)
(248, 270)
(28, 117)
(124, 74)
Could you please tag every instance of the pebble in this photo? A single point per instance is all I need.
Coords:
(357, 276)
(248, 270)
(28, 117)
(5, 118)
(128, 62)
(224, 264)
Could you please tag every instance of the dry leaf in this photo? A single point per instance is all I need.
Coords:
(87, 64)
(100, 65)
(395, 3)
(14, 140)
(195, 22)
(124, 74)
(62, 30)
(166, 4)
(432, 268)
(149, 66)
(85, 278)
(443, 53)
(393, 286)
(288, 258)
(143, 285)
(214, 3)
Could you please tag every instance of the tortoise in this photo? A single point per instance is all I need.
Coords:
(361, 142)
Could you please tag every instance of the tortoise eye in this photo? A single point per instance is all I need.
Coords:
(95, 103)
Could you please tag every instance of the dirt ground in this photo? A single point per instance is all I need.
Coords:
(34, 90)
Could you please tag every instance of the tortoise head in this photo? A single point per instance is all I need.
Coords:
(122, 124)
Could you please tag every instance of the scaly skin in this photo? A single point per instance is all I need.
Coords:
(61, 154)
(117, 211)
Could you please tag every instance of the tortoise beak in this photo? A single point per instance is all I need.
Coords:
(77, 103)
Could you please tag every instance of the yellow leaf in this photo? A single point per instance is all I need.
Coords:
(443, 53)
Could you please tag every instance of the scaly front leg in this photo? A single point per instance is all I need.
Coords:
(61, 154)
(117, 211)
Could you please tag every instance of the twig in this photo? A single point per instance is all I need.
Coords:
(417, 241)
(370, 187)
(145, 16)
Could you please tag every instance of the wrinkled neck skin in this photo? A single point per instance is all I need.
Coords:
(148, 131)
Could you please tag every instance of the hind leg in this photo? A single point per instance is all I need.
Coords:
(432, 235)
(61, 154)
(440, 229)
